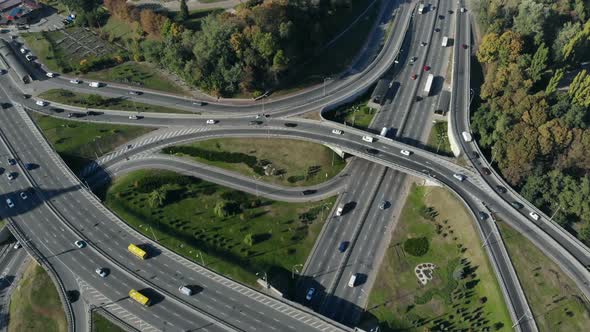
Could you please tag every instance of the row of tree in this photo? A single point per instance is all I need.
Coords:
(249, 50)
(533, 118)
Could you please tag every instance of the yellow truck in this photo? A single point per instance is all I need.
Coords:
(137, 296)
(137, 251)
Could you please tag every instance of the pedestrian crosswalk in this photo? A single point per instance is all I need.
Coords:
(129, 150)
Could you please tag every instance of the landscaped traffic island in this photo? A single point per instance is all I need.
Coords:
(229, 231)
(281, 161)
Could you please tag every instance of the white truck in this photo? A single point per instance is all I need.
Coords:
(94, 84)
(445, 41)
(340, 210)
(428, 84)
(384, 132)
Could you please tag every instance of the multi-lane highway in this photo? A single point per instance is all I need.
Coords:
(59, 210)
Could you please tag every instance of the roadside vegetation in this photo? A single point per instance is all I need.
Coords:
(101, 324)
(35, 304)
(554, 298)
(533, 112)
(138, 74)
(356, 114)
(232, 232)
(280, 161)
(85, 100)
(438, 141)
(463, 294)
(79, 143)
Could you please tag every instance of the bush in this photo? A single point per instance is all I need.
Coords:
(417, 246)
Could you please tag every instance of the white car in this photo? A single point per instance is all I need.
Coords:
(29, 57)
(211, 121)
(534, 216)
(23, 195)
(101, 272)
(459, 177)
(75, 81)
(41, 103)
(369, 139)
(50, 74)
(10, 176)
(133, 117)
(17, 245)
(80, 244)
(337, 131)
(405, 152)
(9, 203)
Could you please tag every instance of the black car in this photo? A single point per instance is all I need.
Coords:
(372, 151)
(56, 110)
(475, 155)
(486, 171)
(309, 192)
(11, 161)
(441, 17)
(501, 189)
(90, 113)
(482, 215)
(26, 96)
(290, 125)
(135, 93)
(5, 105)
(255, 122)
(516, 205)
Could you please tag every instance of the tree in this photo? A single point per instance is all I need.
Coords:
(417, 246)
(183, 14)
(564, 35)
(157, 197)
(529, 21)
(219, 209)
(248, 240)
(539, 63)
(579, 89)
(554, 82)
(575, 43)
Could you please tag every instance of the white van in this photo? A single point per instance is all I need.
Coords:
(339, 210)
(352, 280)
(337, 131)
(369, 139)
(40, 103)
(459, 177)
(445, 41)
(94, 84)
(467, 136)
(185, 290)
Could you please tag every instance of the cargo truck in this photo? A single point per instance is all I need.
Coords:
(421, 8)
(428, 84)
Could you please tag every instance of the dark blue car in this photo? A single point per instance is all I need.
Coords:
(342, 247)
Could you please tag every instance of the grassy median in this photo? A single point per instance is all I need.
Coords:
(281, 161)
(438, 141)
(35, 304)
(98, 102)
(101, 324)
(463, 294)
(556, 301)
(356, 114)
(78, 143)
(237, 234)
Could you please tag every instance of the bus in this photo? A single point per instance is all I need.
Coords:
(137, 251)
(140, 298)
(428, 84)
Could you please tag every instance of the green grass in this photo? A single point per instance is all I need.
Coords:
(35, 304)
(397, 301)
(117, 29)
(438, 141)
(67, 97)
(283, 233)
(133, 73)
(297, 163)
(78, 143)
(338, 56)
(554, 298)
(361, 118)
(101, 324)
(41, 47)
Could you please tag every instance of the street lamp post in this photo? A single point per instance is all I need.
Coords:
(493, 155)
(325, 79)
(554, 213)
(471, 94)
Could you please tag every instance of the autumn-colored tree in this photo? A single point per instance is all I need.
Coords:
(151, 22)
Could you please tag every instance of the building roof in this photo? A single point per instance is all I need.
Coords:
(9, 4)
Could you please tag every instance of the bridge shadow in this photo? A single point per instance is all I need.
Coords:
(28, 199)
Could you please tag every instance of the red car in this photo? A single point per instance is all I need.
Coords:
(414, 76)
(426, 68)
